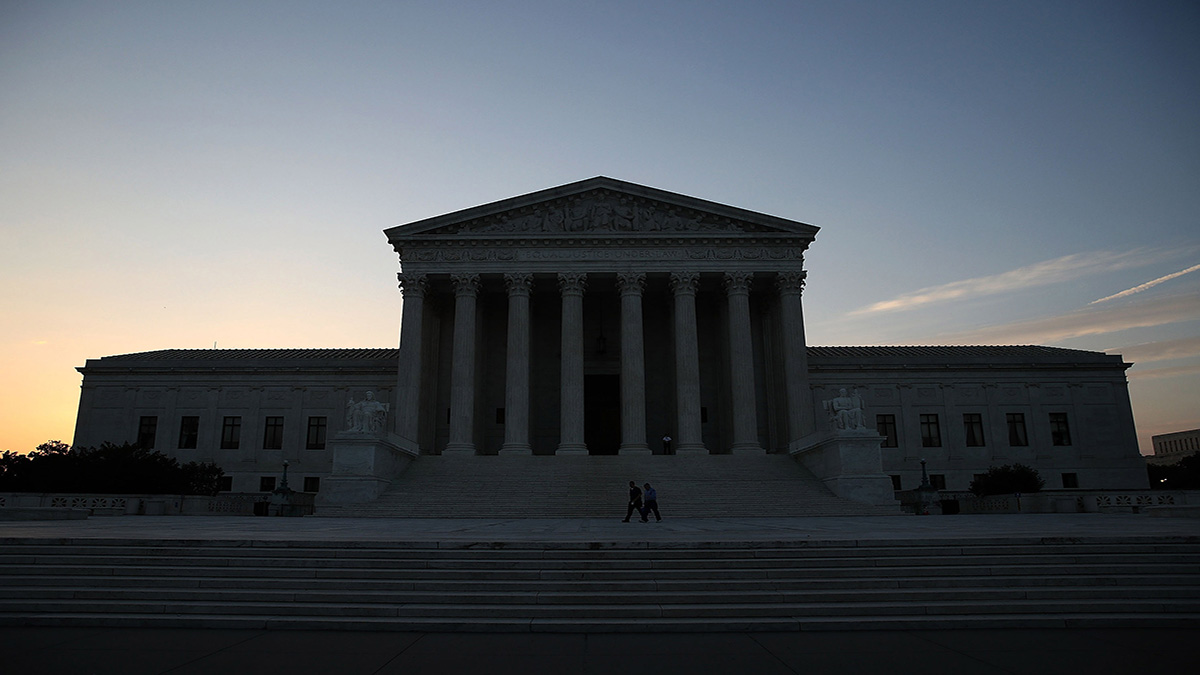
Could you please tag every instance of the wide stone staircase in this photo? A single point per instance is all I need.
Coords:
(578, 587)
(585, 486)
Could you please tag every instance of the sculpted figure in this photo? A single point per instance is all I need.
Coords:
(845, 411)
(367, 415)
(625, 216)
(578, 215)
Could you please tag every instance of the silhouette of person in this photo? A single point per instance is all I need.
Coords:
(651, 504)
(635, 501)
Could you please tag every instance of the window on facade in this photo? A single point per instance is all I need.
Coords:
(226, 484)
(312, 484)
(895, 482)
(147, 430)
(273, 434)
(266, 483)
(189, 429)
(886, 426)
(938, 481)
(931, 434)
(973, 429)
(1060, 432)
(1070, 480)
(231, 433)
(316, 433)
(1017, 437)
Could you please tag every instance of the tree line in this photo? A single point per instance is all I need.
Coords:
(109, 469)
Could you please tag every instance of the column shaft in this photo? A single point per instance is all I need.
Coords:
(516, 385)
(801, 421)
(741, 364)
(633, 365)
(406, 421)
(462, 369)
(689, 433)
(571, 402)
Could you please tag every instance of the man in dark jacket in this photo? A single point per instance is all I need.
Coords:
(635, 501)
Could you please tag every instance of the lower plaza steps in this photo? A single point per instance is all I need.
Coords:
(595, 587)
(596, 486)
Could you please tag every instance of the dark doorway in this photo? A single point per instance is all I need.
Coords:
(602, 413)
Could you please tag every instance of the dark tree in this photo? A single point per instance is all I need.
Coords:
(1007, 479)
(108, 469)
(1182, 475)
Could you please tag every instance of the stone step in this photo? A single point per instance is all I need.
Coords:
(524, 625)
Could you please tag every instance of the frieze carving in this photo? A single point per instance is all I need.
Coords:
(602, 211)
(618, 252)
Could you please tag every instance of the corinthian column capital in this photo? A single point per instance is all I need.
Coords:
(791, 282)
(465, 284)
(572, 283)
(413, 285)
(518, 283)
(684, 282)
(738, 282)
(631, 283)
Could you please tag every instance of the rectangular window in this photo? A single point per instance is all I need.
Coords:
(885, 425)
(189, 429)
(316, 433)
(931, 433)
(226, 484)
(231, 433)
(147, 430)
(1070, 480)
(1060, 432)
(1017, 437)
(312, 484)
(895, 482)
(973, 429)
(266, 484)
(938, 481)
(273, 434)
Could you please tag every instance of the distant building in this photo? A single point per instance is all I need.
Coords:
(593, 317)
(1172, 447)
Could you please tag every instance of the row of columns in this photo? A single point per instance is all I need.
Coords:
(631, 286)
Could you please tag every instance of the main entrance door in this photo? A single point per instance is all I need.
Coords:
(602, 413)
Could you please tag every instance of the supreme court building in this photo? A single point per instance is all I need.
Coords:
(596, 318)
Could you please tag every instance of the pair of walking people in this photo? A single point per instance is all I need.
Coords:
(644, 502)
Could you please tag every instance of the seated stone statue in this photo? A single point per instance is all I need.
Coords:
(845, 411)
(367, 415)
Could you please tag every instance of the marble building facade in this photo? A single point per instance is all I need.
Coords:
(596, 318)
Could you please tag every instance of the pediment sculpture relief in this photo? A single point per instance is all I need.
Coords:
(601, 213)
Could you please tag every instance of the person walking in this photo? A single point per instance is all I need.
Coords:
(666, 444)
(651, 504)
(635, 501)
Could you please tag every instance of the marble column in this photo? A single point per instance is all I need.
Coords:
(462, 368)
(689, 434)
(571, 442)
(516, 384)
(741, 364)
(406, 421)
(795, 356)
(633, 365)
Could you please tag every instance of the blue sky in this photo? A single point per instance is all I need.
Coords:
(183, 173)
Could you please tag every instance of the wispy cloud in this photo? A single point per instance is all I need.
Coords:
(1163, 350)
(1087, 321)
(1147, 285)
(1058, 270)
(1159, 373)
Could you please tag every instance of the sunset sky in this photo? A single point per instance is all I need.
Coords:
(184, 174)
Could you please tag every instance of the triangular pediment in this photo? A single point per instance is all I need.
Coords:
(600, 206)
